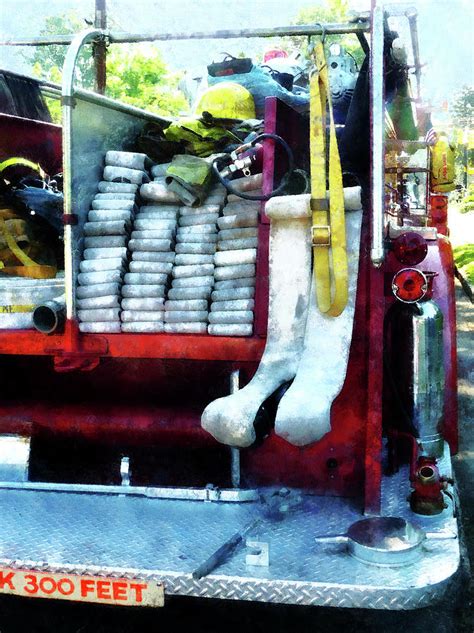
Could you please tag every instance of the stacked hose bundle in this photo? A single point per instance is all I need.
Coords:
(232, 307)
(106, 234)
(186, 311)
(152, 257)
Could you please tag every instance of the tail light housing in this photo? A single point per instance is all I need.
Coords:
(410, 248)
(410, 285)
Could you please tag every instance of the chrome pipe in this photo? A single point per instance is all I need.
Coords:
(48, 317)
(377, 110)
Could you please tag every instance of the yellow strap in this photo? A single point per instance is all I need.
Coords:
(13, 246)
(329, 229)
(29, 268)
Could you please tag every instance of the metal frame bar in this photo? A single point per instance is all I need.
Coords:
(412, 16)
(122, 37)
(224, 495)
(54, 91)
(377, 112)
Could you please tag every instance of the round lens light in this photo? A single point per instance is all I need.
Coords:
(410, 248)
(410, 285)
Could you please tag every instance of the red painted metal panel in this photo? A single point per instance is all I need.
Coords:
(373, 447)
(190, 346)
(347, 461)
(335, 464)
(35, 140)
(132, 424)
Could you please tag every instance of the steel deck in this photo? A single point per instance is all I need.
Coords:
(165, 540)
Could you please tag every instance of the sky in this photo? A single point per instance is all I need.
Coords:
(446, 29)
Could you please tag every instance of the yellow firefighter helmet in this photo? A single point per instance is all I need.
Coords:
(227, 100)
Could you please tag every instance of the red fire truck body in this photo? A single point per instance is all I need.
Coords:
(111, 489)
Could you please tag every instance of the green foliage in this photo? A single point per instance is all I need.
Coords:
(467, 202)
(47, 61)
(136, 73)
(468, 271)
(462, 108)
(54, 107)
(467, 206)
(464, 259)
(330, 11)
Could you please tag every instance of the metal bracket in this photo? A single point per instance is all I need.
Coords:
(260, 557)
(67, 100)
(76, 351)
(70, 219)
(14, 458)
(235, 452)
(321, 235)
(125, 471)
(428, 232)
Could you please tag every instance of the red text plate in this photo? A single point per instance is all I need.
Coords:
(120, 591)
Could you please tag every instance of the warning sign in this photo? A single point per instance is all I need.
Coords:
(119, 591)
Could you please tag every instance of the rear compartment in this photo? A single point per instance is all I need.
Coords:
(139, 465)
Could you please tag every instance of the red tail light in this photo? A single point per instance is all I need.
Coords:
(410, 285)
(410, 248)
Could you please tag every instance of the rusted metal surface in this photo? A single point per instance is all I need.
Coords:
(100, 48)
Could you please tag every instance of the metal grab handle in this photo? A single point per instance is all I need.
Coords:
(338, 538)
(441, 536)
(67, 93)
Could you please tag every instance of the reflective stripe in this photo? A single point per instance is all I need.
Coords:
(12, 309)
(11, 162)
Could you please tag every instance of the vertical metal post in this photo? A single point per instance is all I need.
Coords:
(100, 48)
(412, 21)
(67, 101)
(373, 472)
(377, 113)
(235, 452)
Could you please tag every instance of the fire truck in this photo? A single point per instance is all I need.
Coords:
(305, 463)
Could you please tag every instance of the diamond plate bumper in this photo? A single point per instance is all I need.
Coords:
(165, 540)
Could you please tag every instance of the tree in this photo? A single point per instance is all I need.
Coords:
(136, 73)
(330, 11)
(47, 61)
(462, 108)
